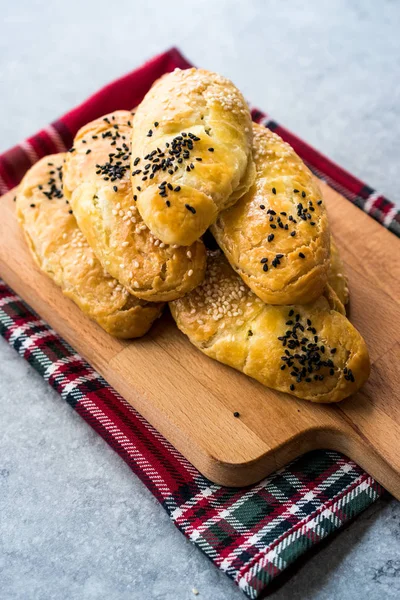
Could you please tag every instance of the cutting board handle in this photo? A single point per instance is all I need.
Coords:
(368, 455)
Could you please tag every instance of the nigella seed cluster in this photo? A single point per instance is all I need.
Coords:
(283, 221)
(274, 263)
(175, 154)
(54, 183)
(304, 355)
(113, 169)
(348, 374)
(305, 212)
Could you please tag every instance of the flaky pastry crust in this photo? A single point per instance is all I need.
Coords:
(310, 351)
(61, 251)
(277, 235)
(97, 184)
(191, 153)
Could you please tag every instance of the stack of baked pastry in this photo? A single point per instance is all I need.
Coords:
(117, 222)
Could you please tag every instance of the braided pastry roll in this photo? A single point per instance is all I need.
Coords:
(191, 153)
(61, 251)
(310, 351)
(277, 235)
(97, 184)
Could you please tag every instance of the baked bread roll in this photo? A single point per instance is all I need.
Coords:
(310, 351)
(97, 184)
(191, 153)
(60, 250)
(277, 235)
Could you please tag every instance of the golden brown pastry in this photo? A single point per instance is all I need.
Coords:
(310, 351)
(97, 184)
(277, 235)
(336, 275)
(60, 250)
(191, 153)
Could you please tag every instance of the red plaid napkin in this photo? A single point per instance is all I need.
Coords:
(254, 533)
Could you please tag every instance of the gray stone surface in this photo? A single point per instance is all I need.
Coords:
(74, 521)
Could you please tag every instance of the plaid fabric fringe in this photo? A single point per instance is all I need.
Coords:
(252, 534)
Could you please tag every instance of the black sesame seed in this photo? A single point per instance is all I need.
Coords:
(32, 205)
(264, 260)
(115, 188)
(178, 188)
(262, 206)
(301, 255)
(249, 333)
(270, 237)
(303, 194)
(211, 149)
(273, 190)
(265, 267)
(295, 191)
(190, 208)
(168, 203)
(293, 233)
(292, 388)
(236, 414)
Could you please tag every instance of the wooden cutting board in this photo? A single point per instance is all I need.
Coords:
(191, 399)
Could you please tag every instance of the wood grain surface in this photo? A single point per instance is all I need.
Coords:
(191, 399)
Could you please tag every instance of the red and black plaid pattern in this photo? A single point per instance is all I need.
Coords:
(254, 533)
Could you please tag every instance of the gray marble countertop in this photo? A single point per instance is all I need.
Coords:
(74, 521)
